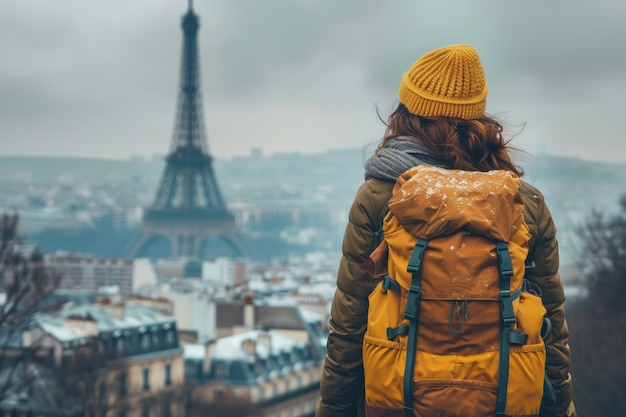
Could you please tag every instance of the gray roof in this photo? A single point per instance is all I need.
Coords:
(230, 348)
(229, 313)
(133, 316)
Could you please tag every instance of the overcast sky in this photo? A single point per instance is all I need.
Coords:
(99, 78)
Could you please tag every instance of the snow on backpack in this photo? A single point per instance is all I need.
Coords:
(451, 330)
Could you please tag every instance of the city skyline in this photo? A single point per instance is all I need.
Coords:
(99, 80)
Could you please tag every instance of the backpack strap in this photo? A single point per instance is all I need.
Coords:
(507, 315)
(393, 332)
(410, 313)
(390, 284)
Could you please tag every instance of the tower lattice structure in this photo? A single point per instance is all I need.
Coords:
(188, 216)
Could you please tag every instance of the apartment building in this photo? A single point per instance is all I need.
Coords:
(113, 360)
(83, 272)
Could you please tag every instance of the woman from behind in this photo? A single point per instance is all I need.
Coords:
(440, 121)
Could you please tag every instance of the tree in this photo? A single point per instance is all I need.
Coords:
(25, 284)
(603, 256)
(79, 384)
(597, 322)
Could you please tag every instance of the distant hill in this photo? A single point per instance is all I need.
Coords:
(598, 184)
(572, 187)
(52, 169)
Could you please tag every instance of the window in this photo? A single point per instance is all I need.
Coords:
(168, 374)
(122, 385)
(169, 337)
(190, 369)
(155, 338)
(120, 346)
(66, 360)
(221, 370)
(108, 347)
(146, 379)
(145, 341)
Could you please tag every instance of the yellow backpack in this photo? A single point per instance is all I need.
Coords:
(451, 330)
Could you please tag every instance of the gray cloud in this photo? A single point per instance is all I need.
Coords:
(564, 42)
(77, 73)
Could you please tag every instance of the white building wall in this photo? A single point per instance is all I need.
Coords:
(143, 274)
(220, 272)
(196, 314)
(82, 272)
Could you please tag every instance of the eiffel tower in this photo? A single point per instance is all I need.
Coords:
(188, 217)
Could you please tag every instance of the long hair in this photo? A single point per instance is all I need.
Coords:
(471, 145)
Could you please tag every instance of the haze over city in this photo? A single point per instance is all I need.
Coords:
(141, 276)
(94, 79)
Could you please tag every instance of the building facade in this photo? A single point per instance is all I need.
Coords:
(278, 373)
(104, 361)
(267, 356)
(86, 273)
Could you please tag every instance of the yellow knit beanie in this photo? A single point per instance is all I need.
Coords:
(446, 82)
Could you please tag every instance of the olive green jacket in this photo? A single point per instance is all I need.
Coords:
(342, 377)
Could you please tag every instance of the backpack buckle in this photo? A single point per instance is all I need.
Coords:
(506, 307)
(412, 304)
(415, 261)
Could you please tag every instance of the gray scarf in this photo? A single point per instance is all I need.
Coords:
(399, 154)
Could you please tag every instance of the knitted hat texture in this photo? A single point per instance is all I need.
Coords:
(448, 81)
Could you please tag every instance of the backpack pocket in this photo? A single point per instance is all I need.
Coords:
(527, 362)
(526, 379)
(530, 313)
(451, 398)
(383, 366)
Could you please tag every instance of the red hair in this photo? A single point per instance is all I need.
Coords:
(471, 145)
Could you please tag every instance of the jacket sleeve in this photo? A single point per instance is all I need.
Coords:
(544, 253)
(342, 375)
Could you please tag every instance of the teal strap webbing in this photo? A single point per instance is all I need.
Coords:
(503, 377)
(517, 293)
(548, 390)
(410, 313)
(393, 332)
(517, 338)
(546, 328)
(505, 267)
(390, 284)
(411, 350)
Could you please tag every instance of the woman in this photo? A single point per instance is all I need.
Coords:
(440, 121)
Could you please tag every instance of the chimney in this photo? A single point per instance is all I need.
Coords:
(248, 316)
(249, 345)
(115, 310)
(265, 338)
